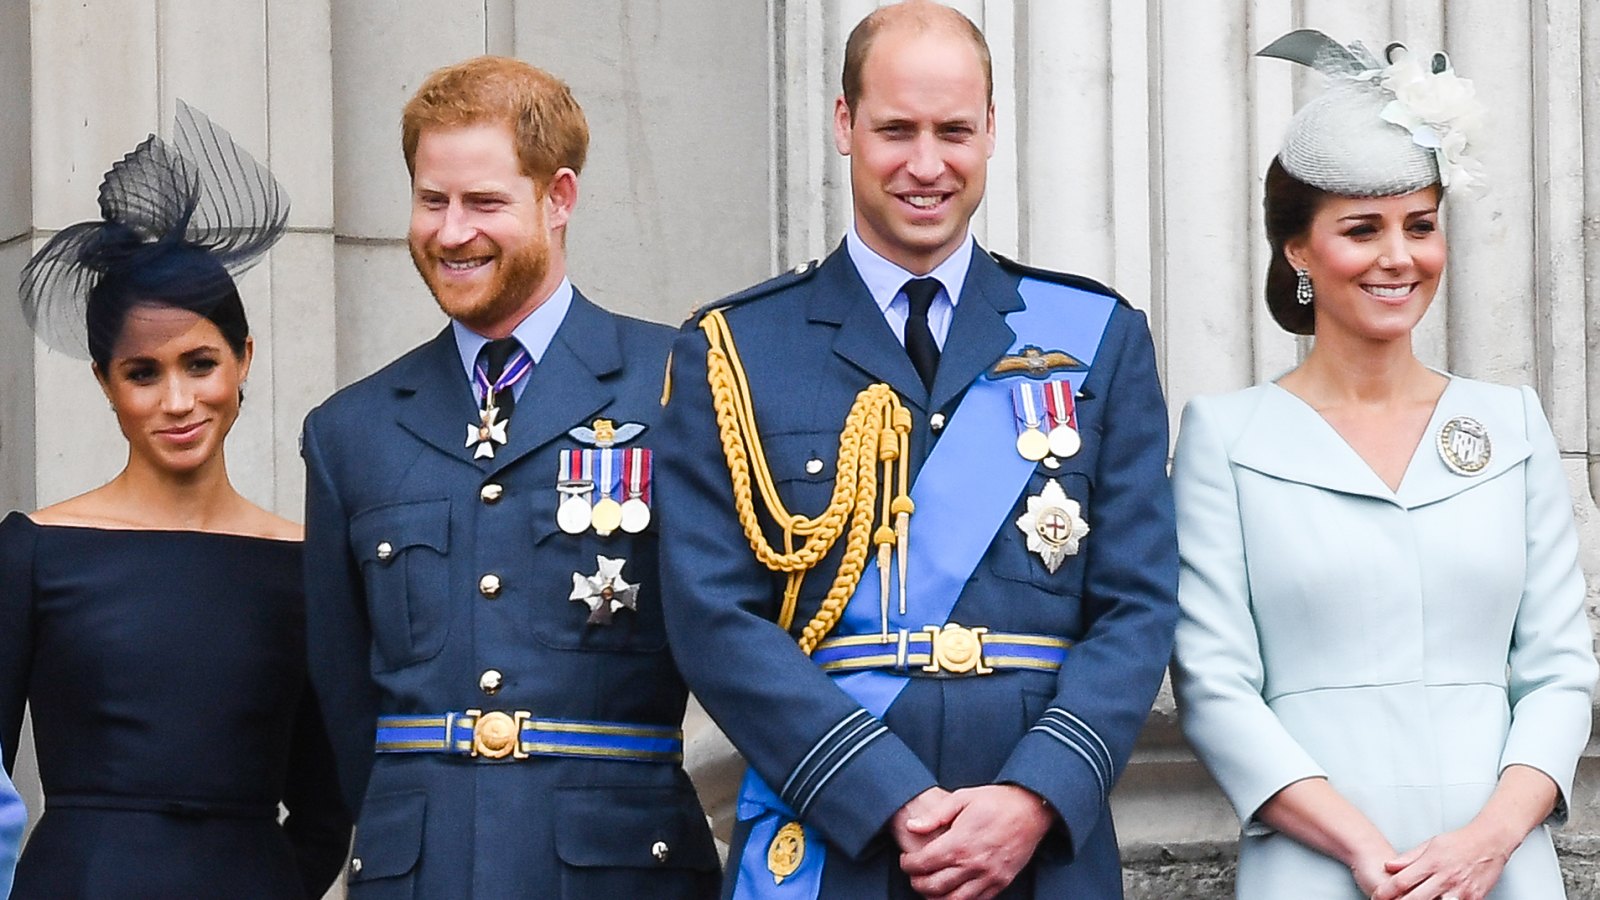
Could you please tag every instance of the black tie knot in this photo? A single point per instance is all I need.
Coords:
(920, 292)
(495, 355)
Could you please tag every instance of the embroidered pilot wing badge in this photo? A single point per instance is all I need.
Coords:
(605, 433)
(1033, 362)
(604, 592)
(1054, 525)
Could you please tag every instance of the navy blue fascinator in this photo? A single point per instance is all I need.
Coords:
(180, 219)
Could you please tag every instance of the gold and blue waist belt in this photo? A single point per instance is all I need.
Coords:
(941, 651)
(518, 734)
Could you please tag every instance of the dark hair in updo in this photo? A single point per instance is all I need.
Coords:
(178, 276)
(1289, 206)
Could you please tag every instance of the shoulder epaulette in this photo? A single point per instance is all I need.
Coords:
(797, 275)
(1080, 282)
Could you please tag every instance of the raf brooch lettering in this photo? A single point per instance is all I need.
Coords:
(1464, 446)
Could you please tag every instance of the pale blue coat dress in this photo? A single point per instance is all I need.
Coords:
(1408, 645)
(12, 816)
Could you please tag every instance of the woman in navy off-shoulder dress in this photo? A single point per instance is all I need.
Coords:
(155, 626)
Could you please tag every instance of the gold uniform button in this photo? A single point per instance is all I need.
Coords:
(491, 493)
(936, 421)
(813, 466)
(489, 585)
(355, 866)
(660, 851)
(385, 551)
(489, 682)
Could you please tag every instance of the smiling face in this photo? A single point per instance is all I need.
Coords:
(919, 142)
(483, 236)
(173, 383)
(1374, 263)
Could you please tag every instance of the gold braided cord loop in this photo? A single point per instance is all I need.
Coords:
(875, 432)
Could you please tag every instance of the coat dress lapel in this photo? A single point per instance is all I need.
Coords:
(1285, 438)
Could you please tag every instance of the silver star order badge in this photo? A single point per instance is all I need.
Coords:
(487, 432)
(604, 592)
(1054, 525)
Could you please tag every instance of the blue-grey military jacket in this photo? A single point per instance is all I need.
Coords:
(810, 342)
(402, 526)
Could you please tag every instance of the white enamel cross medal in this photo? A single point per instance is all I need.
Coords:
(1054, 525)
(487, 432)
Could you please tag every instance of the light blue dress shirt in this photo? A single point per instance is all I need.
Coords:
(534, 333)
(884, 280)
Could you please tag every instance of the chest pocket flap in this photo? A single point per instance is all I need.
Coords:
(403, 550)
(389, 838)
(649, 828)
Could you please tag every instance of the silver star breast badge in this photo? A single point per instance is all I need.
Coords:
(487, 432)
(1054, 525)
(604, 592)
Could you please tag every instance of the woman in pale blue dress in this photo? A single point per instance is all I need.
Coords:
(12, 816)
(1383, 658)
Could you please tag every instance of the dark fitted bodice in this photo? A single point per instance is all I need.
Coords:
(165, 671)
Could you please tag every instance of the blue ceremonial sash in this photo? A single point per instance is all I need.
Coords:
(963, 495)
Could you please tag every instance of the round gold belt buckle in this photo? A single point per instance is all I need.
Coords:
(494, 735)
(957, 649)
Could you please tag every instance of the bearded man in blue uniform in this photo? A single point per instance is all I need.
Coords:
(919, 561)
(484, 615)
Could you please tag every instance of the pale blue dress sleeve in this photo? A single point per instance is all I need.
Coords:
(1552, 665)
(1218, 673)
(12, 815)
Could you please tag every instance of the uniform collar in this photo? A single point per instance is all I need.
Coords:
(884, 279)
(534, 332)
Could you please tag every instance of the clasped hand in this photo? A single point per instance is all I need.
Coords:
(970, 843)
(1457, 865)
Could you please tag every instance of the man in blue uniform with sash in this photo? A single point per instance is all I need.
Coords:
(919, 562)
(484, 614)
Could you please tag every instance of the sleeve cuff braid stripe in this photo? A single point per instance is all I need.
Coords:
(828, 762)
(828, 757)
(878, 731)
(1081, 727)
(1075, 743)
(816, 748)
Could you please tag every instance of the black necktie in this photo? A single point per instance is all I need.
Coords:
(495, 355)
(920, 346)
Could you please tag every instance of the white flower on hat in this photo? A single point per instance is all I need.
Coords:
(1440, 110)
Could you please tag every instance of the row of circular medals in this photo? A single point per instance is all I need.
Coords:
(577, 514)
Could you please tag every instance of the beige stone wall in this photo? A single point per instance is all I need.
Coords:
(1133, 137)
